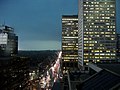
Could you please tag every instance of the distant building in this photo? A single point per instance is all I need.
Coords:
(8, 41)
(96, 31)
(69, 42)
(118, 47)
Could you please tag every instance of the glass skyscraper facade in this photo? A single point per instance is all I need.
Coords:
(97, 31)
(69, 42)
(8, 41)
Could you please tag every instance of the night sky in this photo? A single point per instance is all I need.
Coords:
(38, 22)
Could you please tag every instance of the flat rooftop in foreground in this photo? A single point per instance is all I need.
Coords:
(114, 67)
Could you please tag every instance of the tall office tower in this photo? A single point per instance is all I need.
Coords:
(69, 42)
(97, 31)
(118, 47)
(8, 41)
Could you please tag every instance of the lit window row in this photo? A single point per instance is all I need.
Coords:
(71, 55)
(70, 58)
(65, 19)
(89, 42)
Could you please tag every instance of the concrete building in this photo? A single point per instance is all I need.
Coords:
(96, 31)
(69, 42)
(8, 41)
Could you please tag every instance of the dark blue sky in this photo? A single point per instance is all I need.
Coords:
(38, 22)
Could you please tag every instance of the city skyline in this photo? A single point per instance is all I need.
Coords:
(38, 23)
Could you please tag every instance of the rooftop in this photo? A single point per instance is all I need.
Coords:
(103, 80)
(114, 67)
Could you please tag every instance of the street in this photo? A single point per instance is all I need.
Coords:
(49, 80)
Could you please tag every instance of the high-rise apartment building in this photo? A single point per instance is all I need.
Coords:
(8, 41)
(69, 42)
(97, 31)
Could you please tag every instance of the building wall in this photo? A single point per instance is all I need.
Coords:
(69, 42)
(8, 41)
(97, 31)
(118, 47)
(80, 34)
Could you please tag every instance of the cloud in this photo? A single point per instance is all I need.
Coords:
(40, 45)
